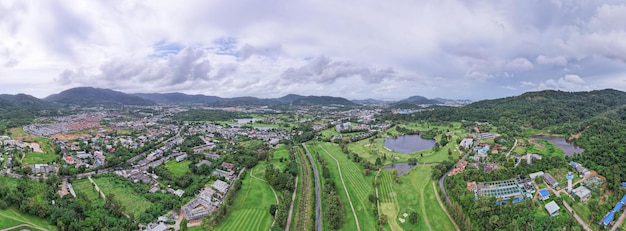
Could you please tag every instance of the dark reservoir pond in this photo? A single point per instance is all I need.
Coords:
(403, 168)
(408, 144)
(567, 147)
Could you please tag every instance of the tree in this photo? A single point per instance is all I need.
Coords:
(183, 225)
(413, 217)
(379, 162)
(273, 209)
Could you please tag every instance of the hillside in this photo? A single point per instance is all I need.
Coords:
(418, 100)
(534, 109)
(322, 100)
(181, 98)
(89, 96)
(20, 109)
(178, 98)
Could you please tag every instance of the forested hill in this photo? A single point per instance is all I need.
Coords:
(89, 96)
(603, 137)
(20, 109)
(534, 109)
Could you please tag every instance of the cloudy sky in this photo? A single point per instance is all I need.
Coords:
(354, 49)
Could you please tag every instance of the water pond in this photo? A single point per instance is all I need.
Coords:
(568, 147)
(408, 144)
(403, 168)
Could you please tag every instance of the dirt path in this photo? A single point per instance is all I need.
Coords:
(275, 196)
(444, 207)
(26, 224)
(358, 227)
(293, 201)
(97, 188)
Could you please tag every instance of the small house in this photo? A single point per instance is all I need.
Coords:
(544, 194)
(552, 208)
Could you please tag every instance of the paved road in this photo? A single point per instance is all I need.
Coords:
(318, 197)
(580, 221)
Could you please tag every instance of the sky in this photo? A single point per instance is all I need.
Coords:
(354, 49)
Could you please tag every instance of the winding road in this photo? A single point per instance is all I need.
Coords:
(318, 200)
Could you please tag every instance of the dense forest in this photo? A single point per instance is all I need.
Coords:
(202, 115)
(537, 110)
(19, 110)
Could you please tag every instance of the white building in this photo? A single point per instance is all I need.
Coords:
(466, 142)
(552, 208)
(583, 193)
(221, 186)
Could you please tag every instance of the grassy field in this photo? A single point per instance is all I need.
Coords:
(178, 168)
(8, 182)
(12, 217)
(38, 158)
(415, 193)
(133, 201)
(280, 152)
(358, 185)
(18, 133)
(84, 186)
(388, 199)
(250, 210)
(47, 156)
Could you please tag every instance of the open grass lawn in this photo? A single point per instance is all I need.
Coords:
(133, 201)
(328, 133)
(84, 186)
(12, 217)
(441, 155)
(415, 193)
(47, 156)
(8, 182)
(17, 133)
(124, 132)
(549, 150)
(388, 200)
(250, 210)
(358, 185)
(38, 158)
(371, 151)
(178, 168)
(280, 153)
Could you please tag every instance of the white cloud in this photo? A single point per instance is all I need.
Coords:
(555, 60)
(567, 83)
(234, 48)
(520, 64)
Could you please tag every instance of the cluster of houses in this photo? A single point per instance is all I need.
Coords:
(64, 124)
(206, 201)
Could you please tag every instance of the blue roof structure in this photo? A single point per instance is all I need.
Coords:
(544, 193)
(572, 163)
(623, 184)
(606, 221)
(518, 200)
(623, 200)
(617, 207)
